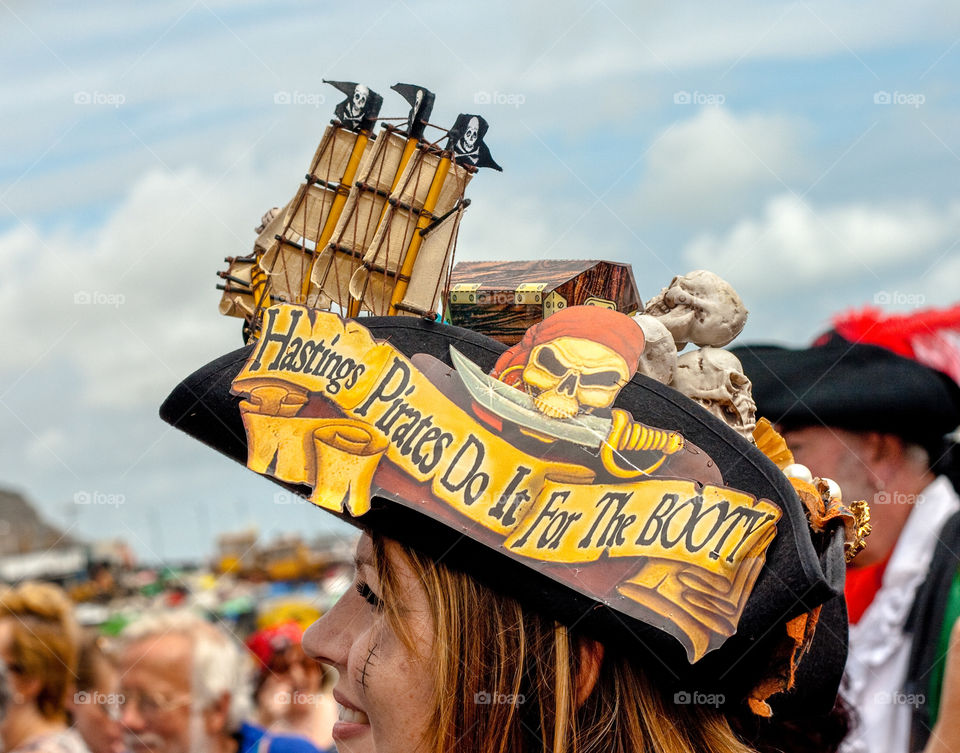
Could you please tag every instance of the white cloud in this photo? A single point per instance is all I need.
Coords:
(636, 38)
(130, 306)
(705, 167)
(793, 243)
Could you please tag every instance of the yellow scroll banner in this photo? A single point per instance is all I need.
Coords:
(698, 549)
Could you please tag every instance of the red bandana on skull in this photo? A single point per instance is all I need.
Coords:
(606, 327)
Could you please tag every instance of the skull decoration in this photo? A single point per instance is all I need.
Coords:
(659, 359)
(714, 378)
(701, 308)
(360, 95)
(470, 135)
(570, 374)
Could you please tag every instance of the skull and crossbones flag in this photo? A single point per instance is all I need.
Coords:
(421, 106)
(359, 111)
(466, 142)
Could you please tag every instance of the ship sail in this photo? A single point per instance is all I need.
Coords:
(379, 174)
(359, 220)
(434, 264)
(237, 298)
(431, 187)
(374, 226)
(313, 213)
(244, 287)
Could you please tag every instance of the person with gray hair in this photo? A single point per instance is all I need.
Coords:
(879, 424)
(186, 688)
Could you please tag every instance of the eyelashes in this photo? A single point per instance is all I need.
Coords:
(369, 596)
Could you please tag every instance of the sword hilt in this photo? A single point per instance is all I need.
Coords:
(629, 436)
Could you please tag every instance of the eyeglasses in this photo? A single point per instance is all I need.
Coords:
(149, 704)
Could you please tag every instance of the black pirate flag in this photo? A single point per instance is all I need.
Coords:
(359, 111)
(421, 105)
(466, 142)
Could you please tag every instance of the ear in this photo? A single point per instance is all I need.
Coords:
(25, 686)
(216, 715)
(591, 658)
(887, 452)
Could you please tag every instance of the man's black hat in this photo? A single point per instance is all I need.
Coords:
(851, 386)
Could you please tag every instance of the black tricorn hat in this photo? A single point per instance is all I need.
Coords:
(851, 386)
(685, 546)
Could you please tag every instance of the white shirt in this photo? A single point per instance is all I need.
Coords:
(67, 741)
(879, 651)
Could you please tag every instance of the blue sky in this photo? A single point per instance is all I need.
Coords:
(140, 144)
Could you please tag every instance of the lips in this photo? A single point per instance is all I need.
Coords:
(351, 721)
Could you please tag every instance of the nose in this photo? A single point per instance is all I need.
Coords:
(328, 640)
(569, 384)
(130, 717)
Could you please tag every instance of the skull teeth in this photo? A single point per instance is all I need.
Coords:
(555, 406)
(658, 305)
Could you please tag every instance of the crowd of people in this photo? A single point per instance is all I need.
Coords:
(174, 681)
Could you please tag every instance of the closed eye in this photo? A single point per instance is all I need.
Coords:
(369, 596)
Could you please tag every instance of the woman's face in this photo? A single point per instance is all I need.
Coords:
(96, 713)
(385, 691)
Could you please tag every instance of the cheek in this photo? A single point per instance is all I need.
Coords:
(83, 719)
(174, 725)
(397, 687)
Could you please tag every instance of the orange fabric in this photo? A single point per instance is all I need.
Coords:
(605, 326)
(799, 636)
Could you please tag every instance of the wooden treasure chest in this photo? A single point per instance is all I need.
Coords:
(502, 299)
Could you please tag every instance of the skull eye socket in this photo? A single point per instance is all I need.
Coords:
(600, 379)
(548, 361)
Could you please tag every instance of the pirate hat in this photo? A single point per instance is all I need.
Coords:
(852, 386)
(552, 472)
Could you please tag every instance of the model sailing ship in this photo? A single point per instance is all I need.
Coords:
(373, 227)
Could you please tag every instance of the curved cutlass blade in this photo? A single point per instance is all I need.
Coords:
(517, 407)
